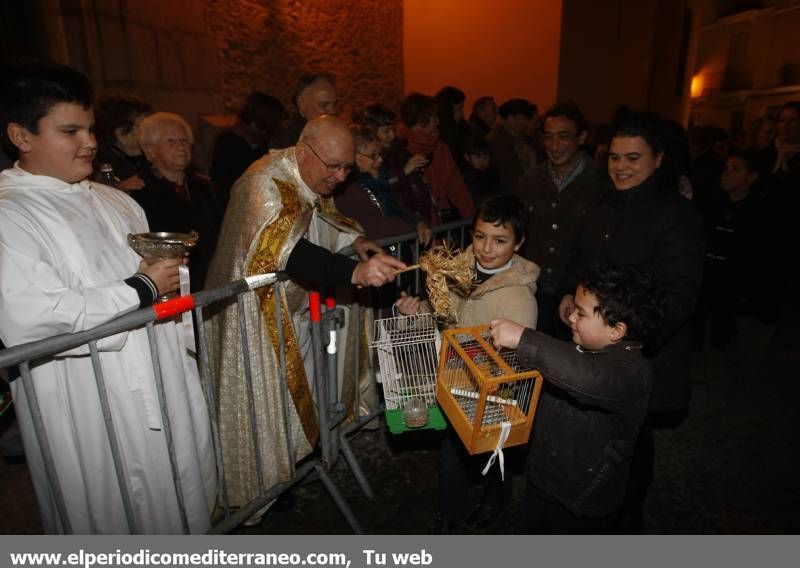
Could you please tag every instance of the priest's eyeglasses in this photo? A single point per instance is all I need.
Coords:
(332, 168)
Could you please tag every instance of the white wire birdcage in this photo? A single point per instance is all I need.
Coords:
(408, 353)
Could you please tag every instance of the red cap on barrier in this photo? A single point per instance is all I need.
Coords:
(313, 304)
(330, 302)
(173, 307)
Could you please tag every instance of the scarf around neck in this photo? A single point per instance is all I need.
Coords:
(419, 141)
(441, 172)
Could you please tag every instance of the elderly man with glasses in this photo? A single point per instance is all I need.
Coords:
(280, 218)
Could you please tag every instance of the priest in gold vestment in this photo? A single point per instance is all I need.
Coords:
(279, 218)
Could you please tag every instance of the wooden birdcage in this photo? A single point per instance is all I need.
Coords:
(480, 389)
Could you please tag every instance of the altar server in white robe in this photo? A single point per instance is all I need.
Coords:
(65, 266)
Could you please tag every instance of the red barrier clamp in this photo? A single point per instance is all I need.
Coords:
(173, 307)
(314, 306)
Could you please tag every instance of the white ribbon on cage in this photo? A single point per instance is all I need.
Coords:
(505, 430)
(186, 317)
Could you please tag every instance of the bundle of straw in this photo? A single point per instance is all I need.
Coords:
(445, 264)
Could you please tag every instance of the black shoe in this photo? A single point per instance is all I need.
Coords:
(483, 517)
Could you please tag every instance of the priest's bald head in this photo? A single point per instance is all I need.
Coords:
(325, 153)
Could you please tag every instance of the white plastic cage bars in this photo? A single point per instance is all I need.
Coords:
(408, 353)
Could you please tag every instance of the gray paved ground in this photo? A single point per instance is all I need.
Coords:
(731, 467)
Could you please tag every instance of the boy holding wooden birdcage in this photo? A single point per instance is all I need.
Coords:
(505, 287)
(594, 401)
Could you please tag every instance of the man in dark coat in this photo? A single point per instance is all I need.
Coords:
(558, 193)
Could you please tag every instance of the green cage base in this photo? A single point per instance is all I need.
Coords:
(397, 425)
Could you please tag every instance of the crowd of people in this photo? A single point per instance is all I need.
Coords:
(604, 257)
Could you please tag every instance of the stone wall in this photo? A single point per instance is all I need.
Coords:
(266, 44)
(159, 50)
(198, 57)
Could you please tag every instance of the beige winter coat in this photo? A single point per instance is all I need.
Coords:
(508, 294)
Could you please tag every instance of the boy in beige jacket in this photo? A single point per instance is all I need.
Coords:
(505, 288)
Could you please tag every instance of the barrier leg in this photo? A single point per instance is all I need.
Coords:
(347, 451)
(44, 446)
(165, 424)
(328, 457)
(287, 397)
(258, 503)
(350, 456)
(248, 379)
(321, 382)
(342, 505)
(332, 321)
(113, 441)
(208, 385)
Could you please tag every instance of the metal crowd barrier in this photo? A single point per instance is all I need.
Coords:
(334, 434)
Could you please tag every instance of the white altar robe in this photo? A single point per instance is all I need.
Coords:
(63, 259)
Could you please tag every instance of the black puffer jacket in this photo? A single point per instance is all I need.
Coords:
(587, 422)
(661, 232)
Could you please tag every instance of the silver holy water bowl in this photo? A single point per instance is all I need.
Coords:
(158, 246)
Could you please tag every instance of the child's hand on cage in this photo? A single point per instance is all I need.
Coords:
(505, 333)
(407, 305)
